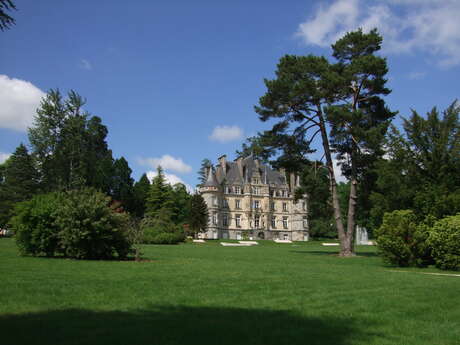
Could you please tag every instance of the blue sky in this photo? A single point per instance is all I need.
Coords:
(176, 82)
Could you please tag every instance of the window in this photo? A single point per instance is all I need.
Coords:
(286, 237)
(256, 181)
(256, 190)
(238, 204)
(285, 222)
(273, 222)
(285, 207)
(237, 190)
(257, 222)
(256, 204)
(272, 205)
(225, 203)
(305, 222)
(224, 220)
(214, 218)
(238, 220)
(228, 189)
(214, 201)
(304, 205)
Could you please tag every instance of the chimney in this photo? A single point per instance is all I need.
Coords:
(239, 164)
(223, 163)
(283, 173)
(297, 182)
(292, 182)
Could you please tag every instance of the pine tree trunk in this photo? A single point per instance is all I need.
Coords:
(344, 246)
(350, 250)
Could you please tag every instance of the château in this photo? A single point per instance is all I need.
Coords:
(248, 200)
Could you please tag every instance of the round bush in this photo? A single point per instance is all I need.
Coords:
(34, 225)
(78, 224)
(89, 228)
(402, 241)
(444, 239)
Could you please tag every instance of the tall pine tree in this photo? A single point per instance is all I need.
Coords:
(159, 199)
(141, 192)
(122, 184)
(70, 145)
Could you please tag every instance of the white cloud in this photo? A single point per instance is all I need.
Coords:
(225, 134)
(167, 162)
(4, 156)
(170, 178)
(407, 26)
(19, 100)
(85, 64)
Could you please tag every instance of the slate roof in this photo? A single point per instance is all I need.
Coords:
(250, 168)
(211, 181)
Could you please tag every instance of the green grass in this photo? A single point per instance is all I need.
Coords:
(209, 294)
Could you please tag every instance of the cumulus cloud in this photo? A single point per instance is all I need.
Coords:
(85, 64)
(225, 134)
(407, 26)
(4, 156)
(167, 162)
(19, 100)
(170, 178)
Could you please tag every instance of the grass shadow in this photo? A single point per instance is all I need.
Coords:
(178, 325)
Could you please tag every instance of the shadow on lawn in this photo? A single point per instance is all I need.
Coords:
(178, 325)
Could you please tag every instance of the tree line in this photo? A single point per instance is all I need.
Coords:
(69, 152)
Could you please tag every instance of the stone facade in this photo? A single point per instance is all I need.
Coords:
(248, 200)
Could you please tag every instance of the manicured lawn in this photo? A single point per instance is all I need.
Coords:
(209, 294)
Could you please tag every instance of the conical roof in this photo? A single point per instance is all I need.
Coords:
(211, 181)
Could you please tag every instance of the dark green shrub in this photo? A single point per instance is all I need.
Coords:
(402, 241)
(89, 228)
(78, 224)
(161, 230)
(34, 225)
(444, 239)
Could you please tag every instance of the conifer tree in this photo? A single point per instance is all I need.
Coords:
(70, 145)
(122, 184)
(181, 203)
(203, 172)
(5, 19)
(158, 195)
(141, 192)
(198, 217)
(20, 181)
(341, 104)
